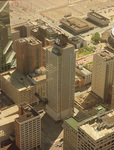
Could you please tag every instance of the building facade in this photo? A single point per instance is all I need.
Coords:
(60, 65)
(93, 133)
(28, 53)
(28, 128)
(84, 73)
(7, 55)
(18, 87)
(70, 134)
(99, 19)
(103, 74)
(97, 134)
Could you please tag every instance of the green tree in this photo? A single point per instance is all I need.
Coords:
(96, 37)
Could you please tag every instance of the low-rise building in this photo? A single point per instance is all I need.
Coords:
(76, 25)
(86, 74)
(20, 88)
(98, 19)
(77, 41)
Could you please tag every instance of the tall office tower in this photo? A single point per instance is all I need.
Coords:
(28, 128)
(7, 55)
(28, 53)
(60, 65)
(103, 74)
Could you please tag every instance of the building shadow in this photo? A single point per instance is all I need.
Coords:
(51, 130)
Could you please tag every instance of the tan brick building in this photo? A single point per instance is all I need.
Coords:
(20, 88)
(97, 134)
(93, 133)
(103, 74)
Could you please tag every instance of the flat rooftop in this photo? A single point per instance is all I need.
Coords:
(100, 17)
(8, 115)
(106, 56)
(39, 74)
(87, 100)
(30, 40)
(73, 123)
(17, 79)
(83, 116)
(75, 40)
(83, 70)
(98, 129)
(40, 77)
(76, 24)
(29, 113)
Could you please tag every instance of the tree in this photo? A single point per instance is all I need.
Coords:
(96, 37)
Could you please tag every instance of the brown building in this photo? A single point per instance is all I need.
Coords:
(98, 19)
(28, 128)
(28, 53)
(24, 30)
(45, 34)
(76, 25)
(77, 41)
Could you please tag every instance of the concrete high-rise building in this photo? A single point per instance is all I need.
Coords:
(7, 55)
(28, 53)
(60, 65)
(28, 128)
(103, 74)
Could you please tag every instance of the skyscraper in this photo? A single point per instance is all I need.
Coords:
(7, 55)
(103, 74)
(60, 65)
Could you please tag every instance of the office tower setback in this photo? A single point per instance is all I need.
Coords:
(28, 128)
(7, 55)
(60, 65)
(103, 74)
(28, 52)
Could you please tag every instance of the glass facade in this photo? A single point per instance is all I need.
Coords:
(6, 53)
